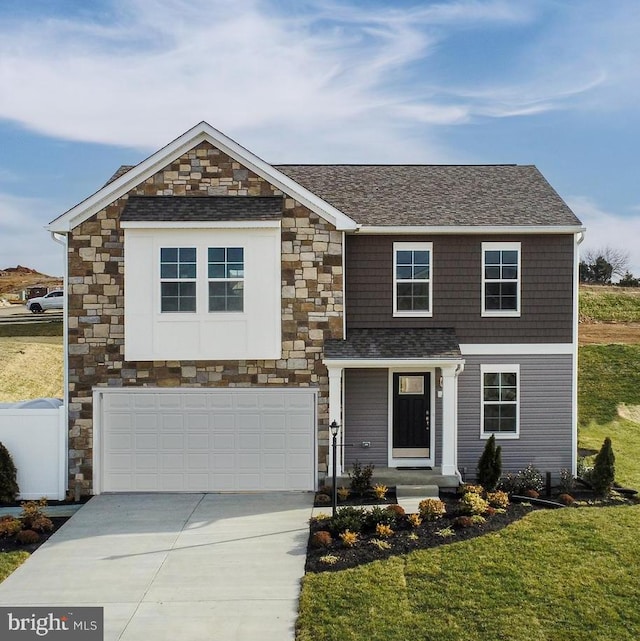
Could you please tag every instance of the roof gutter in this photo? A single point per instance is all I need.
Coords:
(470, 229)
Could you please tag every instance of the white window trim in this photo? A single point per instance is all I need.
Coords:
(412, 247)
(500, 369)
(175, 280)
(240, 279)
(493, 313)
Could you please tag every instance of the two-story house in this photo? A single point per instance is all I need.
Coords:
(222, 311)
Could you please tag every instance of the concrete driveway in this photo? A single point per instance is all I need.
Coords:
(176, 566)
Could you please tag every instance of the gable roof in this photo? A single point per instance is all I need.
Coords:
(437, 195)
(121, 183)
(201, 208)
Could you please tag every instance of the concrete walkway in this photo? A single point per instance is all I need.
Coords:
(214, 567)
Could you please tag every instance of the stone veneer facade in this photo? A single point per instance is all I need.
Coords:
(312, 304)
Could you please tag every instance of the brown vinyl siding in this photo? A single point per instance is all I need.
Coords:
(545, 414)
(546, 287)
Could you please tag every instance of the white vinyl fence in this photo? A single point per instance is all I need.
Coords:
(37, 442)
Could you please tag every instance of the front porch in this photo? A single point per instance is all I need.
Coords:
(410, 480)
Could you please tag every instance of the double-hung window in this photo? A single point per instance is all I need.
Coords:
(501, 279)
(226, 279)
(412, 279)
(178, 271)
(500, 401)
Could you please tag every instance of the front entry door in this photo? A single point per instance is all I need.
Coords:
(411, 415)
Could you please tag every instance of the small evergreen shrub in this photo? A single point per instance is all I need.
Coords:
(469, 488)
(379, 515)
(532, 494)
(323, 499)
(347, 518)
(477, 519)
(360, 477)
(329, 559)
(321, 539)
(472, 503)
(343, 493)
(9, 489)
(26, 537)
(604, 470)
(380, 544)
(348, 538)
(33, 517)
(397, 510)
(432, 509)
(565, 499)
(498, 499)
(445, 532)
(490, 465)
(567, 482)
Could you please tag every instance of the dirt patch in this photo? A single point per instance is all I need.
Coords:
(607, 333)
(629, 412)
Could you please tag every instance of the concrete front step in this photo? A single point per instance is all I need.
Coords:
(422, 491)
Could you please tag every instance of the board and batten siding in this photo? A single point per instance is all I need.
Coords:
(546, 287)
(366, 416)
(546, 421)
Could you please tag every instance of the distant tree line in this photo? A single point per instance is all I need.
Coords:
(598, 267)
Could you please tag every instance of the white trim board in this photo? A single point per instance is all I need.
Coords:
(516, 349)
(202, 132)
(470, 229)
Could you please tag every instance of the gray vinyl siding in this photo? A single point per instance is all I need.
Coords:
(366, 416)
(546, 422)
(546, 287)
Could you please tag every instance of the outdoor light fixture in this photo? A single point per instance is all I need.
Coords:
(334, 428)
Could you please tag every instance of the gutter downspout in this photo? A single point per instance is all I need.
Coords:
(63, 239)
(579, 237)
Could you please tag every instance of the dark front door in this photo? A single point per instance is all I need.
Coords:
(411, 415)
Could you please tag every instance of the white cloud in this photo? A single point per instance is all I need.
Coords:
(607, 229)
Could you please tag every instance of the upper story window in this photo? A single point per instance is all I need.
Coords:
(500, 401)
(178, 279)
(226, 279)
(412, 282)
(501, 279)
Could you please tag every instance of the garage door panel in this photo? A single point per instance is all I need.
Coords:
(213, 440)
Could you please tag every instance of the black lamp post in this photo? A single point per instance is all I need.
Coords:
(335, 428)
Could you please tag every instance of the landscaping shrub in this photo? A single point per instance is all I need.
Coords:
(26, 537)
(9, 526)
(33, 518)
(380, 491)
(348, 538)
(398, 510)
(347, 518)
(384, 531)
(360, 477)
(567, 482)
(565, 499)
(343, 493)
(604, 470)
(431, 509)
(472, 503)
(467, 488)
(379, 515)
(531, 479)
(323, 499)
(490, 465)
(532, 494)
(415, 520)
(321, 539)
(9, 489)
(498, 499)
(462, 521)
(380, 544)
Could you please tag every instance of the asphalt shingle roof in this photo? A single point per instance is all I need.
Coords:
(394, 343)
(201, 208)
(436, 194)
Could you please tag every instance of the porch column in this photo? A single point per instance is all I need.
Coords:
(450, 420)
(335, 414)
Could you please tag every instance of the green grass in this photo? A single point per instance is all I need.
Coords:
(569, 575)
(9, 561)
(609, 375)
(610, 304)
(48, 328)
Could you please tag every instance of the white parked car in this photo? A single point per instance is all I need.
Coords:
(40, 304)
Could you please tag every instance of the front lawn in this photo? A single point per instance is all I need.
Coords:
(569, 575)
(9, 561)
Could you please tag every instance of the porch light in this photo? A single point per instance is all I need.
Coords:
(334, 428)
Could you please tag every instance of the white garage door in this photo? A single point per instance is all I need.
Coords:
(153, 440)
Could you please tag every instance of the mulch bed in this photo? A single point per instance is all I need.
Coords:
(9, 544)
(428, 535)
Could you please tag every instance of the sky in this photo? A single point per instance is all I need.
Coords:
(88, 86)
